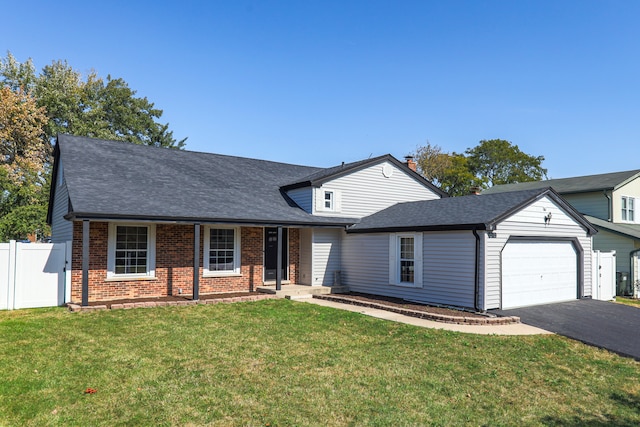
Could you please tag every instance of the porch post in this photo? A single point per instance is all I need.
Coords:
(85, 262)
(279, 262)
(196, 261)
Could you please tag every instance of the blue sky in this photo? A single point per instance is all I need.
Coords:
(321, 82)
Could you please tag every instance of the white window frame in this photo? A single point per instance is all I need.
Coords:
(320, 200)
(111, 252)
(331, 200)
(394, 259)
(627, 209)
(236, 271)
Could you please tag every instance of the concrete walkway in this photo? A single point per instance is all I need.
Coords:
(514, 329)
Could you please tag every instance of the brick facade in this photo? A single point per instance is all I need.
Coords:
(174, 264)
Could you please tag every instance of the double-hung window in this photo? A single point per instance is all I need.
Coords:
(405, 259)
(221, 251)
(628, 213)
(328, 200)
(131, 251)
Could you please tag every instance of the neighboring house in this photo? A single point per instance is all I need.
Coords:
(150, 222)
(610, 202)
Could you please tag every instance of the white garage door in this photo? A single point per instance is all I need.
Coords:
(538, 273)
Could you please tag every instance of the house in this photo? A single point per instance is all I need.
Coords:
(608, 201)
(149, 222)
(139, 216)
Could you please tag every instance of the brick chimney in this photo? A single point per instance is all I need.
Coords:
(411, 163)
(475, 191)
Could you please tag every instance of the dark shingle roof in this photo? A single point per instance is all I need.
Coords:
(627, 230)
(578, 184)
(109, 179)
(458, 213)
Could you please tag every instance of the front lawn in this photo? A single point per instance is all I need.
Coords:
(282, 363)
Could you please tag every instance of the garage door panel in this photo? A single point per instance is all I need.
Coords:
(538, 273)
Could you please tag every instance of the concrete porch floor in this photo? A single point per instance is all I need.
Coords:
(301, 291)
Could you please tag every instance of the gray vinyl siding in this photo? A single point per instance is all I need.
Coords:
(607, 241)
(530, 222)
(593, 204)
(61, 229)
(365, 262)
(326, 250)
(304, 275)
(367, 191)
(448, 268)
(303, 198)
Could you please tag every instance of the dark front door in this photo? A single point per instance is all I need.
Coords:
(271, 253)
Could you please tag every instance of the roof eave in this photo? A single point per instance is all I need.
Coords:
(79, 216)
(440, 227)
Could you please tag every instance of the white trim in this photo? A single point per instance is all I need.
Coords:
(336, 200)
(111, 252)
(394, 260)
(236, 252)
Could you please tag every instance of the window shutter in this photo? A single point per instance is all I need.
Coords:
(319, 199)
(417, 243)
(393, 267)
(337, 201)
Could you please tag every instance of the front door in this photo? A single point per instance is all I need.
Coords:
(271, 253)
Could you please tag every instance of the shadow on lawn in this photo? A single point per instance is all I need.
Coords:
(629, 400)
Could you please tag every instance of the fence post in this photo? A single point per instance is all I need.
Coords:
(11, 295)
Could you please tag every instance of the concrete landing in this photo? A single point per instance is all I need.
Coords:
(298, 291)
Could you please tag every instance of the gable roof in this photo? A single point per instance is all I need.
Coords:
(117, 180)
(627, 230)
(578, 184)
(459, 213)
(316, 179)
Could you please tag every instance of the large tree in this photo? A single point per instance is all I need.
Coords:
(491, 162)
(60, 100)
(501, 162)
(23, 164)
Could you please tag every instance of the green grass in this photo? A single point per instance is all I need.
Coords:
(282, 363)
(628, 301)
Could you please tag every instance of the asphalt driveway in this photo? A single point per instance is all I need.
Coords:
(615, 327)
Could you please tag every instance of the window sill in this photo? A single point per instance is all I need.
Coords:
(129, 278)
(221, 274)
(406, 285)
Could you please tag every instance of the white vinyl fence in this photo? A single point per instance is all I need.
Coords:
(604, 275)
(34, 274)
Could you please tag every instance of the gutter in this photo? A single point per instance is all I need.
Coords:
(476, 296)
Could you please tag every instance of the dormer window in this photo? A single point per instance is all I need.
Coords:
(628, 209)
(328, 200)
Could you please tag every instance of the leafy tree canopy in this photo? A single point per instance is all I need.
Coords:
(90, 106)
(34, 108)
(500, 162)
(491, 162)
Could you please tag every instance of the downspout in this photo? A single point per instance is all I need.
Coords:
(609, 207)
(476, 299)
